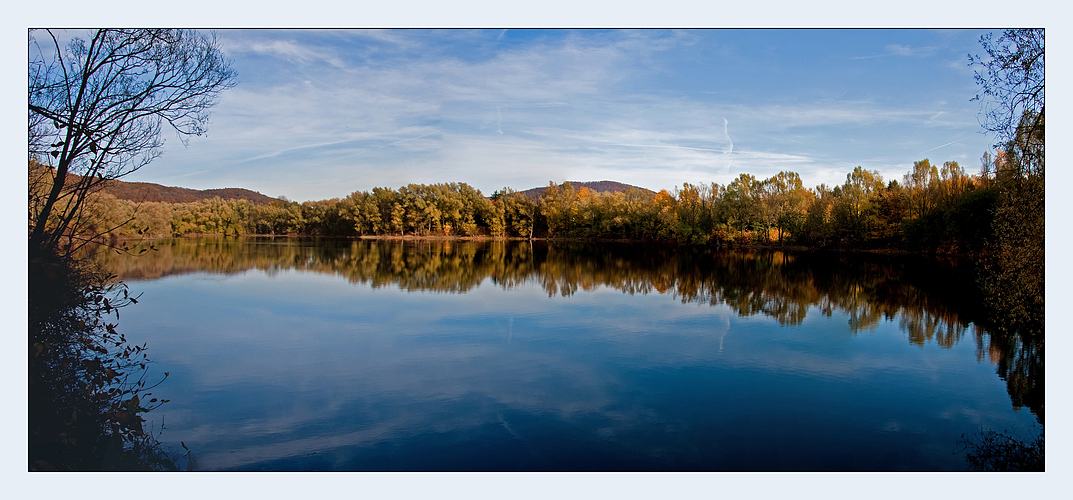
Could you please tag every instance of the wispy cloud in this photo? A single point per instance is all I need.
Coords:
(278, 152)
(290, 51)
(899, 50)
(318, 114)
(906, 51)
(835, 113)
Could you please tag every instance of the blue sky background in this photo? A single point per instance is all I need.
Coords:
(321, 113)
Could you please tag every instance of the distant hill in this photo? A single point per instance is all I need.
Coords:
(598, 186)
(147, 191)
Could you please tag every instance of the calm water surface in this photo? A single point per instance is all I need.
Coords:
(298, 354)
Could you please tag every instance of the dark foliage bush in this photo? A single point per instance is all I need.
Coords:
(87, 385)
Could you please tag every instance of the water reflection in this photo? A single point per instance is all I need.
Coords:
(932, 301)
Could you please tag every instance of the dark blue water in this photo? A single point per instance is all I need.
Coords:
(288, 355)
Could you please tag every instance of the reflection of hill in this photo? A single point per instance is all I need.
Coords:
(931, 300)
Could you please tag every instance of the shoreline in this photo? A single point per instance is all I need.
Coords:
(484, 238)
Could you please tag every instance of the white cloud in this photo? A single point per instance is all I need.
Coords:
(899, 50)
(905, 50)
(386, 108)
(290, 51)
(834, 113)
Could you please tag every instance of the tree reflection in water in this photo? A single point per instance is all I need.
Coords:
(931, 299)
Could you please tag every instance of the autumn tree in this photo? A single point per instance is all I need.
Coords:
(787, 201)
(97, 109)
(953, 184)
(519, 212)
(818, 227)
(692, 223)
(741, 199)
(919, 187)
(364, 213)
(556, 203)
(856, 209)
(890, 210)
(1012, 84)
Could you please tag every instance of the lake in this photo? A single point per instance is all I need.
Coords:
(301, 354)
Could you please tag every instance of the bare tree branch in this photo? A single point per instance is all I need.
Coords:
(96, 109)
(1011, 78)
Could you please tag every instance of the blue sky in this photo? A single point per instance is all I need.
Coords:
(321, 113)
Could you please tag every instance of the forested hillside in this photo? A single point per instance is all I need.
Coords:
(597, 186)
(147, 191)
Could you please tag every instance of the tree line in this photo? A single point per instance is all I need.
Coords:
(933, 208)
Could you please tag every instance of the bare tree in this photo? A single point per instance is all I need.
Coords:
(97, 107)
(1013, 90)
(1012, 270)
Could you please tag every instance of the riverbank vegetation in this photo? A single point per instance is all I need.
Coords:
(88, 387)
(96, 108)
(933, 208)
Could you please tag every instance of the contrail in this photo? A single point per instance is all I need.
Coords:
(936, 147)
(727, 133)
(382, 146)
(728, 149)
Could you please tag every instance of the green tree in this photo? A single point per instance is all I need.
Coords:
(364, 213)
